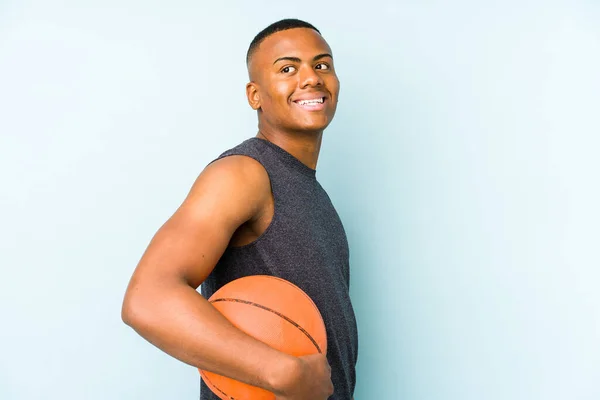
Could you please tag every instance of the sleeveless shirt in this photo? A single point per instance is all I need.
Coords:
(306, 244)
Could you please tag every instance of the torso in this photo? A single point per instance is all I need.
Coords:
(256, 226)
(298, 236)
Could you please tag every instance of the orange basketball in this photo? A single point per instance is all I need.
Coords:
(273, 311)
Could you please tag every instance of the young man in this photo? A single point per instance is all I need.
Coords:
(258, 209)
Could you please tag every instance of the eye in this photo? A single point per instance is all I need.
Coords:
(288, 69)
(322, 66)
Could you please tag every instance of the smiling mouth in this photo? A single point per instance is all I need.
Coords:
(312, 104)
(320, 100)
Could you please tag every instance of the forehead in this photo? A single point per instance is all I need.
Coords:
(297, 42)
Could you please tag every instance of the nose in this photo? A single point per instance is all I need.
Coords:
(309, 77)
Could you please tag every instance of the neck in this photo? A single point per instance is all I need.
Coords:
(305, 146)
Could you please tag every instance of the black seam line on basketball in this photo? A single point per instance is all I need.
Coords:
(274, 312)
(218, 388)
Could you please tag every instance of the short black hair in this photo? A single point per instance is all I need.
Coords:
(283, 25)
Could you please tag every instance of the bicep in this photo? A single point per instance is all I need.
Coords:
(190, 243)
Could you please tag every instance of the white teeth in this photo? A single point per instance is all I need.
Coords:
(311, 102)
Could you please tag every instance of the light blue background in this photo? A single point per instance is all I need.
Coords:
(463, 161)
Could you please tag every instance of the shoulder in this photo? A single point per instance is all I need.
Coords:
(234, 185)
(242, 170)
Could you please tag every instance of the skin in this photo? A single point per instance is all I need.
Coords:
(231, 204)
(275, 85)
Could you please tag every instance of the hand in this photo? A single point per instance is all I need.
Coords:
(310, 381)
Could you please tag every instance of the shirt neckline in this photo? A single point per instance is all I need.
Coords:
(289, 158)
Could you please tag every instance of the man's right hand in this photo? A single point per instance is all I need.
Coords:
(310, 381)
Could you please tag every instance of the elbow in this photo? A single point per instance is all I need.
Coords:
(132, 310)
(127, 312)
(140, 308)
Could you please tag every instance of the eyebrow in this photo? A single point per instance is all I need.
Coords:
(296, 59)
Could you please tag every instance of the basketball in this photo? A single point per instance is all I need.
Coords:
(273, 311)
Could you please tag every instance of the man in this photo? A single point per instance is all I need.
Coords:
(258, 209)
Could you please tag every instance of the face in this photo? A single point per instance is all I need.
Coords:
(293, 83)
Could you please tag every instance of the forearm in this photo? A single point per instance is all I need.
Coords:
(182, 323)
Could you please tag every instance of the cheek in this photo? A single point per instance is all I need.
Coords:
(282, 92)
(276, 97)
(334, 86)
(277, 102)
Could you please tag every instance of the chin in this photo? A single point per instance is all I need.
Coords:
(314, 125)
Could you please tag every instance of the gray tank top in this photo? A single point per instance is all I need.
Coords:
(304, 244)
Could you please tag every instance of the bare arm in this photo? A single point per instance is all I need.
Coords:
(161, 302)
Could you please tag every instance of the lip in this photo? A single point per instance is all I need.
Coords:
(311, 96)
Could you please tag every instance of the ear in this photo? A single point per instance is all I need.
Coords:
(253, 95)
